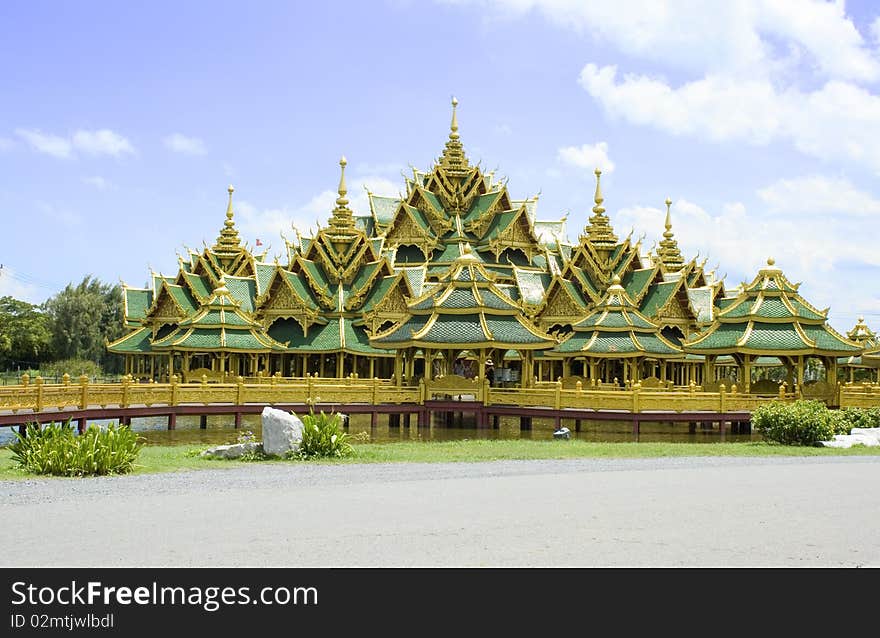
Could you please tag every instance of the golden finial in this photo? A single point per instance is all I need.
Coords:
(615, 280)
(598, 197)
(342, 201)
(668, 219)
(231, 190)
(454, 126)
(770, 261)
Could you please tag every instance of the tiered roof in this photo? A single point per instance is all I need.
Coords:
(769, 317)
(617, 329)
(465, 309)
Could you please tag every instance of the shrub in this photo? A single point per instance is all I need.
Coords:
(850, 418)
(798, 423)
(323, 437)
(55, 449)
(73, 367)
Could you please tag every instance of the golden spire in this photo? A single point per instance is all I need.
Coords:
(228, 241)
(599, 231)
(453, 158)
(669, 253)
(861, 334)
(342, 220)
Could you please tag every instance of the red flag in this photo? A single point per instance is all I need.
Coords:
(259, 243)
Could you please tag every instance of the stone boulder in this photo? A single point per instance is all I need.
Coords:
(282, 432)
(233, 451)
(869, 437)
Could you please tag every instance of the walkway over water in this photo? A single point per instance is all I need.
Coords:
(82, 401)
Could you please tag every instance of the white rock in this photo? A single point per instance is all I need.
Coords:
(856, 438)
(233, 451)
(836, 443)
(874, 433)
(282, 432)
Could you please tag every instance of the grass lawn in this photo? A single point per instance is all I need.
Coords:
(167, 458)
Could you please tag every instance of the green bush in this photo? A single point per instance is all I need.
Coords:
(56, 449)
(74, 367)
(850, 418)
(323, 437)
(798, 423)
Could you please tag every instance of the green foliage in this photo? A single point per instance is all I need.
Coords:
(73, 367)
(25, 333)
(83, 316)
(849, 418)
(808, 422)
(55, 449)
(323, 437)
(798, 423)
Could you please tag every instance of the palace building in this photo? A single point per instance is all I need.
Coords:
(456, 277)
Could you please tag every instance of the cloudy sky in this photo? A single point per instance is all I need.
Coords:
(121, 126)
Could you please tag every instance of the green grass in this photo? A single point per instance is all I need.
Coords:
(161, 458)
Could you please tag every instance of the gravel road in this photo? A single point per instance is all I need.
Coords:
(586, 512)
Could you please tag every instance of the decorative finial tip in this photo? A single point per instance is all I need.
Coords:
(861, 319)
(597, 172)
(770, 261)
(616, 280)
(668, 202)
(454, 102)
(343, 161)
(230, 189)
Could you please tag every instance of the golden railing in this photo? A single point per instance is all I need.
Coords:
(38, 396)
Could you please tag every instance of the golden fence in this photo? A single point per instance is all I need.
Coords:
(37, 396)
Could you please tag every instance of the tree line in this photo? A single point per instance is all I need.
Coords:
(71, 325)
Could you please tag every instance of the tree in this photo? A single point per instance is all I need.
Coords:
(25, 333)
(83, 317)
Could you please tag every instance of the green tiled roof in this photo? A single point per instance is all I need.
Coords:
(826, 340)
(264, 275)
(378, 292)
(718, 337)
(137, 302)
(302, 290)
(658, 296)
(134, 342)
(701, 302)
(584, 280)
(184, 298)
(481, 204)
(433, 201)
(771, 336)
(317, 274)
(383, 208)
(420, 219)
(499, 223)
(636, 282)
(532, 285)
(199, 284)
(243, 290)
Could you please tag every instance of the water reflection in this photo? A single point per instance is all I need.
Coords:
(219, 429)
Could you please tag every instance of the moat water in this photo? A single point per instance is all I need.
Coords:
(220, 430)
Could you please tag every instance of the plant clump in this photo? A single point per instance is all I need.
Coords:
(809, 422)
(56, 450)
(323, 437)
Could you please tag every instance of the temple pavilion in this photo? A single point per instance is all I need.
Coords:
(455, 269)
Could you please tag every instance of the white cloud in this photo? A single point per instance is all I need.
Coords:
(6, 144)
(45, 143)
(98, 182)
(13, 284)
(61, 215)
(744, 37)
(180, 143)
(820, 195)
(100, 142)
(755, 111)
(588, 156)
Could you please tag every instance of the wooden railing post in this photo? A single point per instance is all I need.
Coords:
(486, 390)
(557, 398)
(83, 392)
(636, 391)
(310, 385)
(692, 387)
(239, 390)
(174, 390)
(39, 402)
(25, 379)
(422, 391)
(65, 379)
(374, 391)
(579, 387)
(721, 392)
(126, 382)
(782, 391)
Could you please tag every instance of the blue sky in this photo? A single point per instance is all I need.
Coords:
(122, 124)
